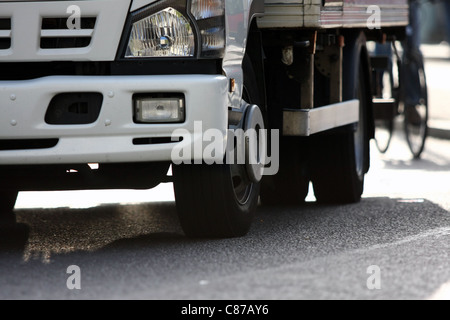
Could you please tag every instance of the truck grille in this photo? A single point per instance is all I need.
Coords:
(5, 33)
(56, 35)
(38, 31)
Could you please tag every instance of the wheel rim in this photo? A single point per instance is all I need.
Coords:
(242, 185)
(255, 143)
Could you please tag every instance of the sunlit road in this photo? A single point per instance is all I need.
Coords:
(128, 244)
(139, 251)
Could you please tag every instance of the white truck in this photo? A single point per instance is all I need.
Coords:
(91, 93)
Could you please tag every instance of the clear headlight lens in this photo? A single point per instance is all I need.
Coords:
(170, 33)
(166, 33)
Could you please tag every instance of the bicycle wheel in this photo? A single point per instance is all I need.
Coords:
(416, 115)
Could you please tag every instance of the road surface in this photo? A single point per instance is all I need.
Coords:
(138, 251)
(395, 244)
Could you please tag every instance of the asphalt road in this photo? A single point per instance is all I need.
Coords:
(128, 244)
(138, 251)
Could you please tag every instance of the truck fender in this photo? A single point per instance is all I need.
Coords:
(239, 17)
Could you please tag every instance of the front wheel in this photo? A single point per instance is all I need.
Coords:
(214, 200)
(220, 200)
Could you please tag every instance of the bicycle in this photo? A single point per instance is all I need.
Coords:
(401, 89)
(390, 99)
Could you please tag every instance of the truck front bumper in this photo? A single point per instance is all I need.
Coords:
(23, 106)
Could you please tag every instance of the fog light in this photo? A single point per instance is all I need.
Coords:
(159, 110)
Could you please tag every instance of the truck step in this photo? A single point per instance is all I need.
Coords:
(306, 122)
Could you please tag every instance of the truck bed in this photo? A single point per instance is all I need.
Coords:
(322, 14)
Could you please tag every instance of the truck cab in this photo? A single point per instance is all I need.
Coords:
(249, 101)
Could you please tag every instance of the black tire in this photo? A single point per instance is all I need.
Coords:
(7, 202)
(342, 156)
(207, 204)
(218, 201)
(291, 185)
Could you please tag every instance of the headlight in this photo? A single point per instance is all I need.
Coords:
(166, 33)
(173, 28)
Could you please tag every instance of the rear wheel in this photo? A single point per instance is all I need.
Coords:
(219, 200)
(291, 185)
(342, 159)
